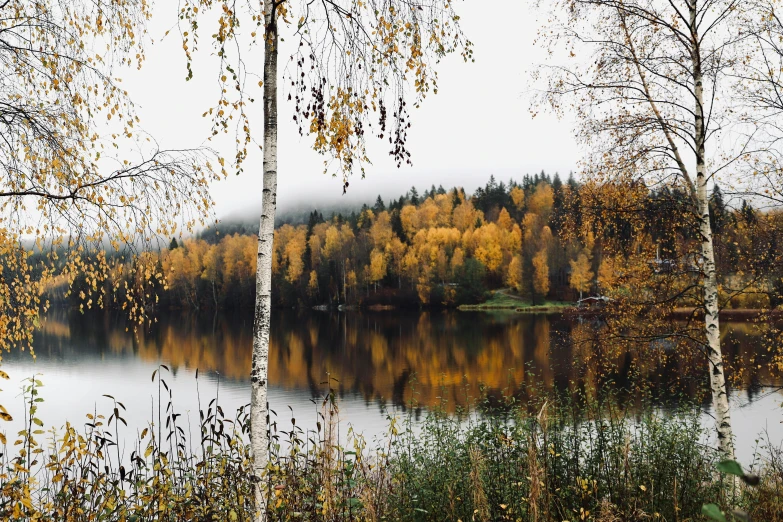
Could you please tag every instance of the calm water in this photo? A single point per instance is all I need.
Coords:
(378, 362)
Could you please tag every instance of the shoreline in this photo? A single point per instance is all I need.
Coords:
(529, 309)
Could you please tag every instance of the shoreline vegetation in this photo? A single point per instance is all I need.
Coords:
(555, 458)
(503, 300)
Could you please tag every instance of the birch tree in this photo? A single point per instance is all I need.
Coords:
(69, 188)
(355, 70)
(581, 278)
(653, 84)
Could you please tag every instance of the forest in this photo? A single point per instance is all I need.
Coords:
(536, 239)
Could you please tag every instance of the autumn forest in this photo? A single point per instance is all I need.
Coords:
(445, 248)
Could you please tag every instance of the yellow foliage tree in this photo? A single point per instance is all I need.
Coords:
(294, 250)
(312, 284)
(541, 273)
(518, 197)
(377, 266)
(445, 206)
(514, 278)
(607, 274)
(381, 231)
(504, 220)
(466, 216)
(541, 201)
(457, 260)
(396, 251)
(424, 285)
(581, 278)
(409, 217)
(428, 213)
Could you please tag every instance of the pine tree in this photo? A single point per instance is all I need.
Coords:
(379, 206)
(717, 210)
(414, 196)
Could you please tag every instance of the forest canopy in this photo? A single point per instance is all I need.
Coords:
(444, 247)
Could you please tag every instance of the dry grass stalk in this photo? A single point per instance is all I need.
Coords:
(477, 469)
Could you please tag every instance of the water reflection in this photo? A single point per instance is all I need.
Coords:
(393, 357)
(381, 362)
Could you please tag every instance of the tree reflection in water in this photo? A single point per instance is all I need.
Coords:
(400, 357)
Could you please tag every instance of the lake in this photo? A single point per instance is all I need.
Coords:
(379, 363)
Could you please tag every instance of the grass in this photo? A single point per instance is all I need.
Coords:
(554, 460)
(500, 300)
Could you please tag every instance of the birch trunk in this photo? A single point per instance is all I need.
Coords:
(720, 400)
(259, 407)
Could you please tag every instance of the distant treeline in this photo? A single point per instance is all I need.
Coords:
(438, 248)
(445, 248)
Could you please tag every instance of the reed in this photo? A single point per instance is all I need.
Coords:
(551, 461)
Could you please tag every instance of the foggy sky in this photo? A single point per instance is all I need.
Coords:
(478, 124)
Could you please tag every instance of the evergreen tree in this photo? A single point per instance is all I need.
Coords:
(396, 225)
(173, 245)
(558, 206)
(455, 199)
(747, 213)
(717, 210)
(556, 183)
(571, 181)
(379, 206)
(414, 196)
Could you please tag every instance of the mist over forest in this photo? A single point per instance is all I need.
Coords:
(296, 211)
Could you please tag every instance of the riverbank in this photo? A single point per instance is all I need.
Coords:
(550, 460)
(503, 300)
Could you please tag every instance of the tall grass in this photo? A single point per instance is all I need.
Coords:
(550, 461)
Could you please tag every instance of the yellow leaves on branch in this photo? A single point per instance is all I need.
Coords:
(61, 190)
(356, 63)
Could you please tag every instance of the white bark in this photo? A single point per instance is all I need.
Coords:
(259, 407)
(720, 400)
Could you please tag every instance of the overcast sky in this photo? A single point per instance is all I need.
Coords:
(478, 124)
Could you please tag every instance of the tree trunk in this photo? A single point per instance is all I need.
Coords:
(720, 400)
(259, 407)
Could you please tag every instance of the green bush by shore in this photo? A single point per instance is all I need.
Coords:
(551, 461)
